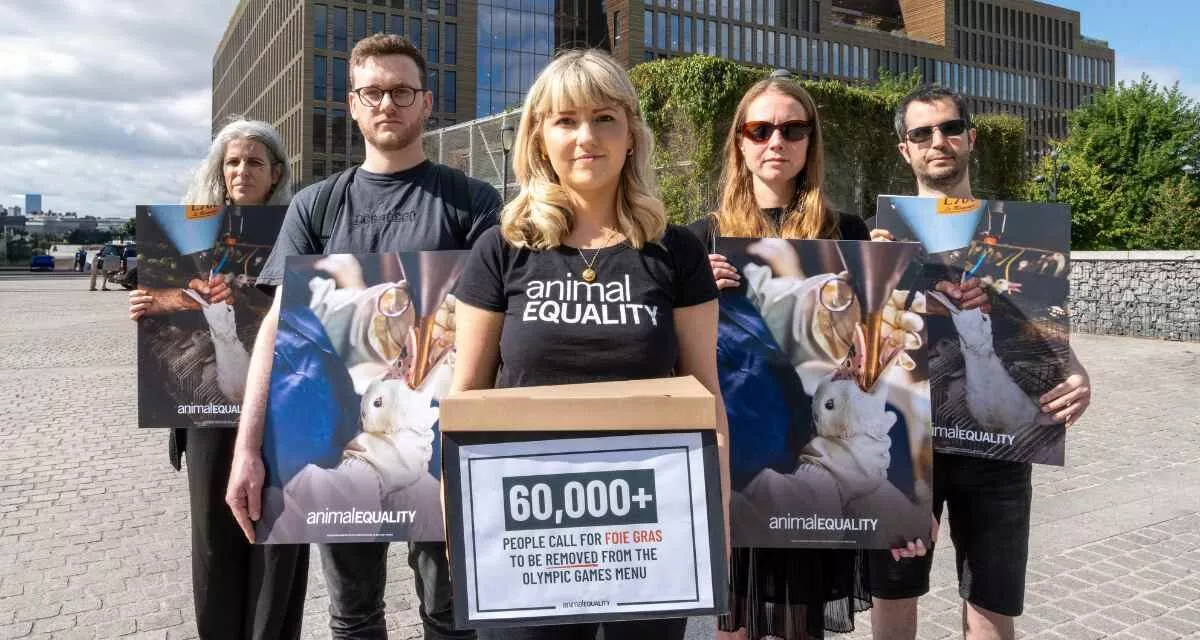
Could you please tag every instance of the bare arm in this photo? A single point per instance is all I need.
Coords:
(696, 334)
(476, 346)
(243, 494)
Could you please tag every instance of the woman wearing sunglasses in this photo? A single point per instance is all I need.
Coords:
(772, 187)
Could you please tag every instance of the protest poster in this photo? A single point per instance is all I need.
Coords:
(826, 388)
(990, 366)
(199, 264)
(554, 530)
(363, 355)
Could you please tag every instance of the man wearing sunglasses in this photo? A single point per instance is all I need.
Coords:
(989, 501)
(396, 200)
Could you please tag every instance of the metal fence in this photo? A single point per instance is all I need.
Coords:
(475, 147)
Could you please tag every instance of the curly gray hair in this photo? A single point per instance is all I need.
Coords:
(208, 183)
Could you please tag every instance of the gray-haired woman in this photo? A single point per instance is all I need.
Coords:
(239, 590)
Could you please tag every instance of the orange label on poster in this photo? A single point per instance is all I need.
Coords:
(197, 212)
(952, 206)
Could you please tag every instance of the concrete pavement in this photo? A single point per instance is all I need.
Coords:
(93, 521)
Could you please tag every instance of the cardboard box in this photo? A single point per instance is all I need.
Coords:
(657, 404)
(583, 503)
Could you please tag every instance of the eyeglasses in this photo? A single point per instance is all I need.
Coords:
(401, 96)
(792, 130)
(949, 129)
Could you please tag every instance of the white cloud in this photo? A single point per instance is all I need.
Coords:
(105, 105)
(1130, 70)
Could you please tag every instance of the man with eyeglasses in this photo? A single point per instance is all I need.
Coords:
(988, 501)
(395, 201)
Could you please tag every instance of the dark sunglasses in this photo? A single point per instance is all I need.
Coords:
(949, 129)
(792, 130)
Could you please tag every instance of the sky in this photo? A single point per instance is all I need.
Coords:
(106, 103)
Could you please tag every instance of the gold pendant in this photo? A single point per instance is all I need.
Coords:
(589, 275)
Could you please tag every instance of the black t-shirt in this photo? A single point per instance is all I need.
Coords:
(411, 210)
(559, 329)
(849, 227)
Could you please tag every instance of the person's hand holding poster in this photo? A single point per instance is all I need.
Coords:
(363, 355)
(995, 280)
(198, 309)
(825, 385)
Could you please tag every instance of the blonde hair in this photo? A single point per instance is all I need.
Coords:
(540, 216)
(808, 215)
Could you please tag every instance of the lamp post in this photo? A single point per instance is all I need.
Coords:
(507, 134)
(1055, 168)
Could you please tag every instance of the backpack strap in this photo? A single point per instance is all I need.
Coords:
(328, 207)
(459, 199)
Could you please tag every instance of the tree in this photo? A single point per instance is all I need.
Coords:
(688, 103)
(129, 229)
(1130, 169)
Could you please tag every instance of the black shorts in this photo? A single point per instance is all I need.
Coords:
(989, 503)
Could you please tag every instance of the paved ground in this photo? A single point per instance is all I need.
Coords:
(93, 521)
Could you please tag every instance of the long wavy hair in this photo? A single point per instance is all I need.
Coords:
(540, 216)
(208, 183)
(808, 215)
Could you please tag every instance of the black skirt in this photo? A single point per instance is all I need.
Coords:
(794, 594)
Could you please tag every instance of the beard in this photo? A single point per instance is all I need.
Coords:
(944, 177)
(389, 141)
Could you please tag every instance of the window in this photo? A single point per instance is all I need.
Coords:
(433, 7)
(319, 78)
(414, 32)
(660, 31)
(319, 26)
(431, 84)
(735, 45)
(712, 37)
(449, 92)
(451, 8)
(451, 43)
(398, 25)
(747, 44)
(759, 45)
(687, 33)
(356, 139)
(339, 28)
(674, 32)
(338, 132)
(825, 58)
(432, 38)
(377, 22)
(339, 80)
(836, 59)
(360, 25)
(725, 39)
(318, 130)
(318, 170)
(647, 29)
(699, 36)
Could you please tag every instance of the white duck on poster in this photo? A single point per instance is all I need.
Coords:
(994, 399)
(233, 361)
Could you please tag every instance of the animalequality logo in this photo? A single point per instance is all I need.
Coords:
(572, 301)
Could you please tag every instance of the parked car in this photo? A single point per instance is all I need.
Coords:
(42, 263)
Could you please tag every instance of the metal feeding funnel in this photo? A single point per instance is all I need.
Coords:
(940, 224)
(430, 276)
(874, 269)
(819, 256)
(189, 228)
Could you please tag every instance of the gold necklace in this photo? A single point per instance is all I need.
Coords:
(589, 274)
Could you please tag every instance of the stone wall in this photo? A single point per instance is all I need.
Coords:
(1152, 294)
